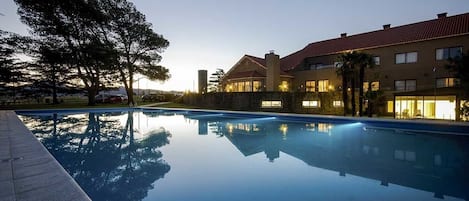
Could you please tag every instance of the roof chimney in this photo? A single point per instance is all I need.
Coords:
(441, 15)
(343, 35)
(386, 26)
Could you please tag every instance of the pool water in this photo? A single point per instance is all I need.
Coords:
(166, 155)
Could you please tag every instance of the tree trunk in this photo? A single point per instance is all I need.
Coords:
(370, 102)
(345, 93)
(352, 80)
(130, 93)
(54, 86)
(360, 92)
(92, 92)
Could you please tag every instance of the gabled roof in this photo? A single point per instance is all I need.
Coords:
(251, 74)
(426, 30)
(258, 60)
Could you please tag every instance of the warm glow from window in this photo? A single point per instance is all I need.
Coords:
(310, 86)
(323, 85)
(428, 107)
(271, 104)
(256, 86)
(311, 104)
(390, 106)
(338, 103)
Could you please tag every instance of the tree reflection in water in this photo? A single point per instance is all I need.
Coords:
(102, 155)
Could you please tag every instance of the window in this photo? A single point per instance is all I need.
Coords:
(446, 82)
(377, 60)
(247, 86)
(311, 104)
(409, 57)
(338, 104)
(405, 155)
(271, 104)
(310, 86)
(256, 86)
(374, 86)
(446, 53)
(390, 106)
(323, 85)
(240, 86)
(315, 66)
(405, 85)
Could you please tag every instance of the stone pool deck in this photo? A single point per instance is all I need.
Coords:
(27, 170)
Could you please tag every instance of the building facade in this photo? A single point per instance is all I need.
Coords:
(409, 67)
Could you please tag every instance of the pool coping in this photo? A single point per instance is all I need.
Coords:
(27, 169)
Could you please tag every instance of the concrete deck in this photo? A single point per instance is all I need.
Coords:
(27, 170)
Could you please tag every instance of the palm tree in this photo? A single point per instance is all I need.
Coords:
(364, 61)
(346, 71)
(350, 60)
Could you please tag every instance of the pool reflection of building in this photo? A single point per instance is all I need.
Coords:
(385, 155)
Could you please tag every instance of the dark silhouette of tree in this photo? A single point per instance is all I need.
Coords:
(10, 66)
(106, 40)
(49, 66)
(138, 46)
(364, 61)
(215, 80)
(104, 157)
(75, 25)
(352, 71)
(460, 67)
(346, 71)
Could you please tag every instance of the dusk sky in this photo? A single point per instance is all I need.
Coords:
(210, 34)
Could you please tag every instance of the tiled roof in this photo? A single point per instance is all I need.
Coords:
(261, 61)
(426, 30)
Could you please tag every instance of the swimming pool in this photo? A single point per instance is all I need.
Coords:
(142, 154)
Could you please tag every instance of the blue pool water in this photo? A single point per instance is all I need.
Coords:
(181, 155)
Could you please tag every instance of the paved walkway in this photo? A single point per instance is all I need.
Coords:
(27, 170)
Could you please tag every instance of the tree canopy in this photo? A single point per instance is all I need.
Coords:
(102, 41)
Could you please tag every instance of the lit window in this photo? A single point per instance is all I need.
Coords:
(229, 88)
(377, 60)
(446, 82)
(390, 107)
(271, 104)
(311, 104)
(446, 53)
(310, 86)
(256, 86)
(374, 86)
(323, 85)
(409, 57)
(405, 85)
(247, 86)
(338, 104)
(240, 87)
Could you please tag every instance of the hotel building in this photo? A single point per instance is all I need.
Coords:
(409, 68)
